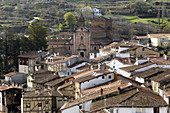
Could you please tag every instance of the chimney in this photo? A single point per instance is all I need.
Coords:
(37, 91)
(165, 57)
(119, 90)
(91, 67)
(104, 66)
(101, 91)
(98, 65)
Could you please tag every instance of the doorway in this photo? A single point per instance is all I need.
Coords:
(82, 54)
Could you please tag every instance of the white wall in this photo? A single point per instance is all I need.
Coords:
(154, 41)
(141, 80)
(163, 66)
(117, 64)
(23, 69)
(7, 78)
(127, 74)
(92, 55)
(123, 55)
(74, 69)
(132, 110)
(124, 73)
(122, 49)
(145, 68)
(29, 81)
(162, 93)
(75, 109)
(162, 110)
(96, 81)
(1, 101)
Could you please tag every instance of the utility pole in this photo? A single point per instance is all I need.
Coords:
(159, 16)
(6, 52)
(163, 11)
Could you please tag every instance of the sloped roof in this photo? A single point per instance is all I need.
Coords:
(135, 67)
(32, 54)
(46, 79)
(6, 87)
(11, 74)
(150, 72)
(135, 97)
(64, 59)
(159, 35)
(160, 61)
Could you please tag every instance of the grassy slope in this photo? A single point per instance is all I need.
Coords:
(134, 19)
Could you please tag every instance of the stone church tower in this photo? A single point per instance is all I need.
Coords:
(81, 39)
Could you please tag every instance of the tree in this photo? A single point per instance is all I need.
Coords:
(70, 20)
(37, 34)
(60, 27)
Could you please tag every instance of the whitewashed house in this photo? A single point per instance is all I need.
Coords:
(16, 78)
(119, 98)
(97, 12)
(130, 70)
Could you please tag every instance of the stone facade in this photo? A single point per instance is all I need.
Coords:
(92, 38)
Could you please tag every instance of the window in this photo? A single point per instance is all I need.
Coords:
(46, 102)
(143, 49)
(28, 105)
(110, 77)
(81, 28)
(80, 107)
(117, 111)
(67, 80)
(95, 48)
(48, 60)
(23, 62)
(69, 48)
(81, 37)
(39, 104)
(25, 69)
(95, 55)
(102, 77)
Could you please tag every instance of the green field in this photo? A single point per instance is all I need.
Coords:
(135, 19)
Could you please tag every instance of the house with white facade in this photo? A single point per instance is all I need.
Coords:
(97, 12)
(16, 78)
(28, 61)
(121, 98)
(130, 70)
(61, 67)
(161, 40)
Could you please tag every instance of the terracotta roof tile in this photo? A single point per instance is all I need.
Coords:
(11, 74)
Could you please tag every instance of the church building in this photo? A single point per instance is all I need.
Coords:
(88, 39)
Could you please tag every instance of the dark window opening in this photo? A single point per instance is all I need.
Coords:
(81, 37)
(39, 104)
(95, 55)
(28, 105)
(82, 54)
(46, 102)
(102, 77)
(110, 77)
(143, 49)
(95, 48)
(81, 28)
(69, 48)
(156, 110)
(80, 107)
